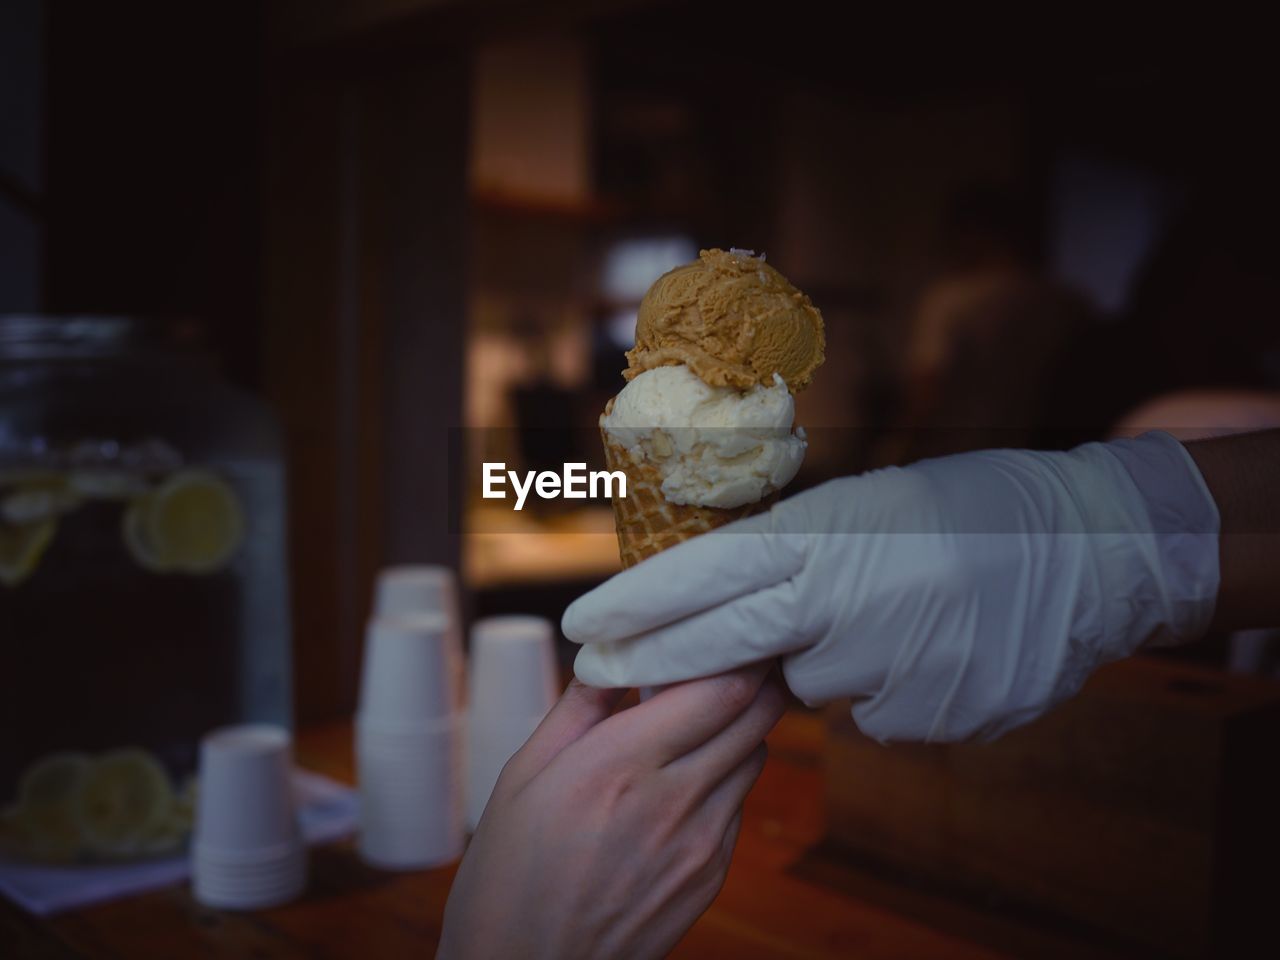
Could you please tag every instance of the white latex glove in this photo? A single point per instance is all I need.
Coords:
(954, 598)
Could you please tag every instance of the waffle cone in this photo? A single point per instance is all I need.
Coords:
(646, 522)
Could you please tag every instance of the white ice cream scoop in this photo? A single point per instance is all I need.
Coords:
(714, 446)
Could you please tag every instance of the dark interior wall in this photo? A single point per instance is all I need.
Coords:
(364, 320)
(21, 176)
(152, 149)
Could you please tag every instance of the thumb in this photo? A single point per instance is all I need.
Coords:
(578, 710)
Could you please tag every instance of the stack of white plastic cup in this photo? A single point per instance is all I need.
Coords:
(409, 590)
(408, 745)
(247, 851)
(514, 682)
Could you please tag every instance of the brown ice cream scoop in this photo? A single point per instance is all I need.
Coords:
(733, 320)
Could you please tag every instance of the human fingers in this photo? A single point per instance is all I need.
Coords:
(680, 718)
(708, 765)
(579, 709)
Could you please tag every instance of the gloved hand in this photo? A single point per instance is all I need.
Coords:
(954, 598)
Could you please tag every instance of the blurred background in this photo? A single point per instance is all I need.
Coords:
(415, 230)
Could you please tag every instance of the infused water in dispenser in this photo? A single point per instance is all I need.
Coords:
(143, 593)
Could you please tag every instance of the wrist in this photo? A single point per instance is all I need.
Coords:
(1240, 472)
(1178, 522)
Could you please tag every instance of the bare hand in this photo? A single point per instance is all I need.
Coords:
(608, 835)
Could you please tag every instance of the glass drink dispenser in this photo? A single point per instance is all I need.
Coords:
(143, 593)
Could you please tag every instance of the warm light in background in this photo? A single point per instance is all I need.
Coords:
(629, 268)
(530, 121)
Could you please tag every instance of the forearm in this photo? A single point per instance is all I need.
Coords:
(1243, 474)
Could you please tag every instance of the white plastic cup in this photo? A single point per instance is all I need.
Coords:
(246, 808)
(514, 666)
(408, 744)
(407, 678)
(514, 682)
(403, 759)
(216, 886)
(247, 850)
(258, 876)
(415, 589)
(410, 801)
(405, 591)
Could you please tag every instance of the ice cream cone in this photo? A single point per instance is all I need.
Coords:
(722, 346)
(646, 522)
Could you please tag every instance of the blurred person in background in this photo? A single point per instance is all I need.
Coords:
(1204, 315)
(985, 336)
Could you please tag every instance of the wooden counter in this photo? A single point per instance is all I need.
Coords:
(781, 899)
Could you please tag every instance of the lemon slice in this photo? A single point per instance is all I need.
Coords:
(52, 780)
(38, 499)
(124, 798)
(52, 836)
(193, 522)
(21, 547)
(168, 836)
(134, 530)
(174, 830)
(45, 819)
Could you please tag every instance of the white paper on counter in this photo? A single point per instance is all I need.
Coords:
(327, 811)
